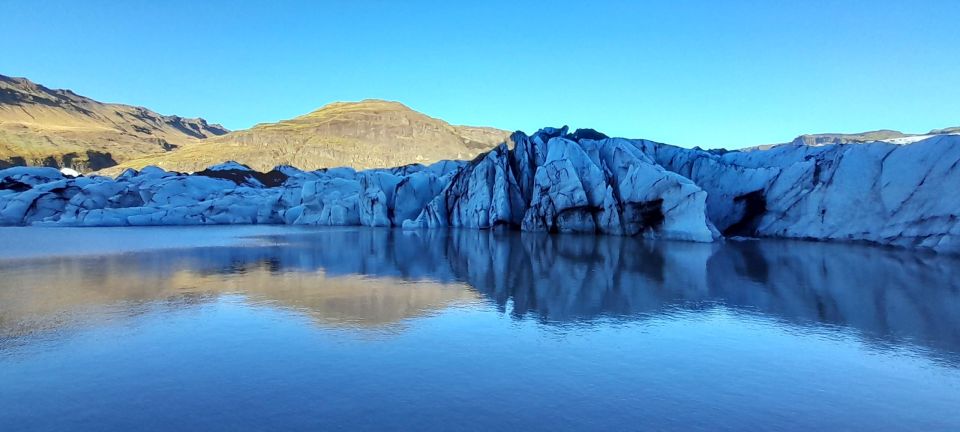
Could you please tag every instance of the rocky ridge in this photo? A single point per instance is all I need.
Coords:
(40, 126)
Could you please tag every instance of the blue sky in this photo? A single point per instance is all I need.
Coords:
(708, 73)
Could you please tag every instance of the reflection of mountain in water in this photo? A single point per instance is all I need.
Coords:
(374, 277)
(41, 293)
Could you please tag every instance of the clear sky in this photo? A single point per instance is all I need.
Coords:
(708, 73)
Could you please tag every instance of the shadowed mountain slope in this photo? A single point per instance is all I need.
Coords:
(59, 128)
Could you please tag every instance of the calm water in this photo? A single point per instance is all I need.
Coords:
(365, 329)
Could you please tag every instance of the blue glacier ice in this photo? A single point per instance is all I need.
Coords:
(890, 193)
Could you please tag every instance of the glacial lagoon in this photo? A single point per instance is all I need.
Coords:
(283, 328)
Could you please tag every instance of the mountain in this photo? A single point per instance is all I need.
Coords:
(841, 138)
(884, 135)
(949, 130)
(366, 134)
(888, 135)
(59, 128)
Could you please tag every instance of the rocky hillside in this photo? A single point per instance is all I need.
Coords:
(892, 136)
(59, 128)
(365, 134)
(882, 135)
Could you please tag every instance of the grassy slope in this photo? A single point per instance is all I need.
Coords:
(42, 126)
(366, 134)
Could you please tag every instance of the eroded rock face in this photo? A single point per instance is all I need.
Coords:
(551, 181)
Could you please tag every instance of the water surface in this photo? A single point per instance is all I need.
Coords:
(227, 328)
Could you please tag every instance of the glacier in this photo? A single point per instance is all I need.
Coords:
(888, 193)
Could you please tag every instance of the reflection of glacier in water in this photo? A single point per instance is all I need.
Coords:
(366, 329)
(374, 277)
